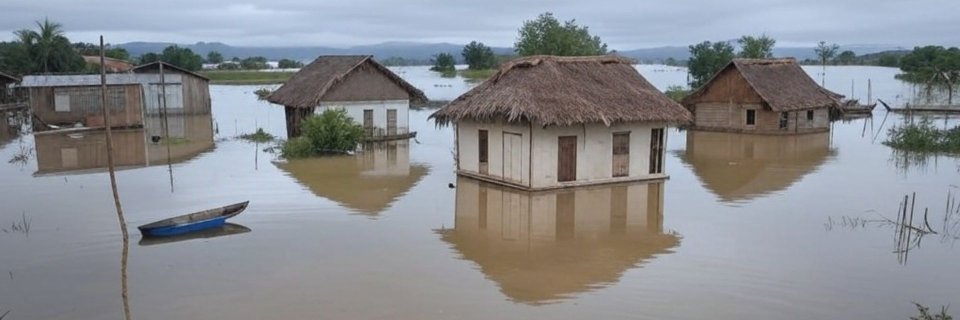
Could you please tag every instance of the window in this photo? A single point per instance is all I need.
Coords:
(621, 154)
(784, 117)
(751, 117)
(61, 102)
(482, 144)
(809, 115)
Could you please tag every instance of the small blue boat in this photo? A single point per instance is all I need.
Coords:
(207, 219)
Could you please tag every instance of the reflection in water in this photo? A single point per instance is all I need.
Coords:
(228, 229)
(86, 151)
(541, 247)
(367, 182)
(739, 167)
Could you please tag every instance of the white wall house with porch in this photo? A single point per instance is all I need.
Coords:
(372, 95)
(556, 140)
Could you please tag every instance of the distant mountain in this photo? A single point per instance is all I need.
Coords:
(406, 50)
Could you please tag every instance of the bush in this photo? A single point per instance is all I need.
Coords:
(298, 147)
(333, 131)
(923, 136)
(259, 136)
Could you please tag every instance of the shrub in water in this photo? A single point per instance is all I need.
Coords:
(332, 131)
(923, 136)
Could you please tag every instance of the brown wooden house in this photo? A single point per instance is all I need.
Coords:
(769, 96)
(187, 92)
(370, 93)
(66, 100)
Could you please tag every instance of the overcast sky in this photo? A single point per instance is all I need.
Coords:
(623, 24)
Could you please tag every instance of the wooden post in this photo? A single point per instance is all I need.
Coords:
(113, 181)
(166, 124)
(869, 91)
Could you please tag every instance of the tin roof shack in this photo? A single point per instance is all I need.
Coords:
(71, 99)
(187, 92)
(770, 96)
(546, 122)
(370, 93)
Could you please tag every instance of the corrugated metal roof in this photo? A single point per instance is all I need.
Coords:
(94, 79)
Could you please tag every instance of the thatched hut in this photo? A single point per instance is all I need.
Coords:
(546, 122)
(370, 93)
(770, 96)
(540, 247)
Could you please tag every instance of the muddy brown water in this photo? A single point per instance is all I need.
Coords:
(746, 227)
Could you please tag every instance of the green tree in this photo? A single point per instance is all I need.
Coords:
(332, 131)
(933, 66)
(48, 49)
(888, 60)
(254, 63)
(706, 59)
(90, 49)
(443, 62)
(846, 57)
(546, 35)
(825, 52)
(756, 47)
(14, 59)
(479, 56)
(214, 57)
(176, 55)
(289, 64)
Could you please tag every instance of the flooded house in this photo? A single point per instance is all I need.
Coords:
(371, 94)
(541, 247)
(546, 122)
(366, 183)
(740, 167)
(67, 100)
(764, 96)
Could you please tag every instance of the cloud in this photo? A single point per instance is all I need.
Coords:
(622, 24)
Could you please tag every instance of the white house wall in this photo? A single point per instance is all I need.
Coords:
(469, 156)
(355, 110)
(594, 153)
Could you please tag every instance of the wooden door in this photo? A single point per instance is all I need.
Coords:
(513, 156)
(621, 154)
(368, 121)
(391, 122)
(483, 153)
(656, 151)
(567, 158)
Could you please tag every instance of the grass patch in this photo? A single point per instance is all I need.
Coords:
(923, 136)
(477, 74)
(246, 77)
(259, 136)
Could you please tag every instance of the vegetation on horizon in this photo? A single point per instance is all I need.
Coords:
(45, 50)
(923, 136)
(444, 63)
(246, 77)
(546, 35)
(932, 66)
(707, 58)
(331, 132)
(175, 55)
(478, 56)
(258, 136)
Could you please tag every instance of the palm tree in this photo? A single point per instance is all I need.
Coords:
(41, 44)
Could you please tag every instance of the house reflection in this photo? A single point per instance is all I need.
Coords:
(542, 247)
(86, 151)
(367, 183)
(738, 167)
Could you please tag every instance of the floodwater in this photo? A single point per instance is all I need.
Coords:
(746, 226)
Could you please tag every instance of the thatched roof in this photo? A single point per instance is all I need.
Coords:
(307, 87)
(781, 83)
(156, 66)
(550, 90)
